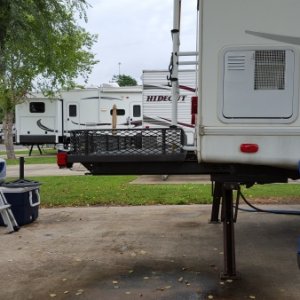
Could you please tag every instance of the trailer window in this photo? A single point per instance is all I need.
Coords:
(72, 110)
(120, 112)
(136, 110)
(37, 107)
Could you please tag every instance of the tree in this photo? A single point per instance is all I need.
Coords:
(124, 80)
(41, 48)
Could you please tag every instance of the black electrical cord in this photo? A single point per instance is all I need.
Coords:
(271, 211)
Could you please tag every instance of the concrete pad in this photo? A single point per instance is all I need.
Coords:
(171, 179)
(36, 170)
(149, 252)
(45, 170)
(78, 169)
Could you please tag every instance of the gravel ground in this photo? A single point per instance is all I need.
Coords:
(149, 252)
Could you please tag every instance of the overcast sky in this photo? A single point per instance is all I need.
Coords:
(136, 34)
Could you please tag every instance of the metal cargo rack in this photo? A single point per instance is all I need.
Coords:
(164, 144)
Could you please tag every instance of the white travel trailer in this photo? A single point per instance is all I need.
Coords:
(157, 100)
(41, 120)
(247, 82)
(248, 89)
(248, 119)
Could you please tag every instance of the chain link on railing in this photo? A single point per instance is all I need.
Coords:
(163, 141)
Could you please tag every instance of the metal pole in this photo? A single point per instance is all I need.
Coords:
(21, 167)
(176, 42)
(199, 77)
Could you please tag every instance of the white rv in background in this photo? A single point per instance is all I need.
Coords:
(41, 120)
(157, 100)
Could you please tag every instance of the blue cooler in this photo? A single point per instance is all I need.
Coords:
(24, 198)
(2, 170)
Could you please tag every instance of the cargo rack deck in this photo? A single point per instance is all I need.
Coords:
(157, 151)
(165, 144)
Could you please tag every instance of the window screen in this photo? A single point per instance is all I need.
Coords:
(269, 70)
(120, 112)
(136, 110)
(37, 107)
(72, 110)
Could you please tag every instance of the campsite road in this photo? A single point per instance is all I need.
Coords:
(31, 170)
(148, 252)
(78, 169)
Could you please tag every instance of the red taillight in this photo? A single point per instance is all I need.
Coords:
(62, 159)
(194, 109)
(193, 121)
(249, 148)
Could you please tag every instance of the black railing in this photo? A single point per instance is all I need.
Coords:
(164, 141)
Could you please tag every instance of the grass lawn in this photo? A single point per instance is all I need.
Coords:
(283, 193)
(35, 152)
(117, 190)
(48, 157)
(30, 160)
